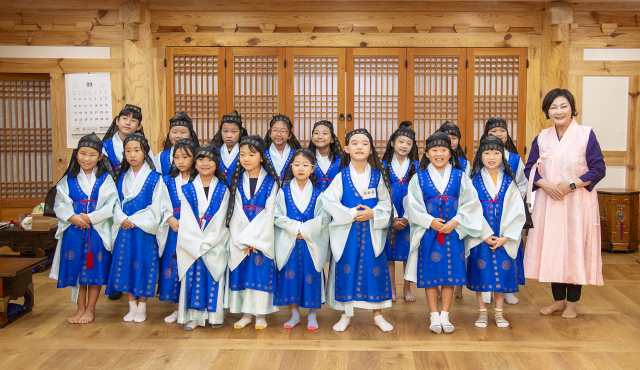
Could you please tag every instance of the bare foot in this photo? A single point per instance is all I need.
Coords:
(439, 293)
(457, 291)
(571, 311)
(408, 297)
(556, 306)
(74, 319)
(86, 317)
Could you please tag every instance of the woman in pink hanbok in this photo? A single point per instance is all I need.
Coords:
(565, 163)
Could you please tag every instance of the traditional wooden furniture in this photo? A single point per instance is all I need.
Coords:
(32, 242)
(15, 282)
(619, 219)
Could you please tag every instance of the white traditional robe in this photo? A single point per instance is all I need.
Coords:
(278, 160)
(118, 148)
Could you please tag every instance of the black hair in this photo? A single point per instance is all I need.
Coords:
(335, 149)
(491, 143)
(256, 145)
(128, 110)
(189, 147)
(144, 145)
(232, 118)
(552, 95)
(439, 138)
(494, 122)
(181, 119)
(212, 153)
(308, 154)
(292, 140)
(413, 156)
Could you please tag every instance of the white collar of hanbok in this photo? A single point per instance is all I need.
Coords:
(136, 182)
(277, 159)
(228, 157)
(488, 182)
(323, 162)
(400, 169)
(86, 184)
(118, 147)
(301, 198)
(360, 182)
(246, 187)
(440, 181)
(203, 200)
(179, 184)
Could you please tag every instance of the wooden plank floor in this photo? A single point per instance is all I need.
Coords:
(606, 335)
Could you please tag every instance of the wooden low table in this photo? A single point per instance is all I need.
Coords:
(619, 219)
(15, 282)
(29, 242)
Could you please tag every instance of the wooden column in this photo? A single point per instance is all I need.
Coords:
(633, 134)
(59, 126)
(138, 66)
(555, 50)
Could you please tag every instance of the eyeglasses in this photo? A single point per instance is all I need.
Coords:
(306, 166)
(279, 132)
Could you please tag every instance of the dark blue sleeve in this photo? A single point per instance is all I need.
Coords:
(595, 162)
(534, 155)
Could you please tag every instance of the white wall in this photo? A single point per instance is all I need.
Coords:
(67, 52)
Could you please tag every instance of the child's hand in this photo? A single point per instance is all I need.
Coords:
(299, 237)
(126, 224)
(78, 222)
(404, 221)
(397, 224)
(85, 218)
(248, 250)
(491, 240)
(173, 223)
(365, 214)
(499, 243)
(449, 226)
(437, 224)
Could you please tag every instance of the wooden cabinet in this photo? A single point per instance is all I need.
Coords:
(619, 219)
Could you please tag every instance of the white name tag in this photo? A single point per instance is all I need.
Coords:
(369, 193)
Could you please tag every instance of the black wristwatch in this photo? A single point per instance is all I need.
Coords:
(572, 185)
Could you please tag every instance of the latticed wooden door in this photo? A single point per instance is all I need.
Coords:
(376, 91)
(256, 85)
(497, 86)
(315, 89)
(196, 85)
(436, 91)
(25, 141)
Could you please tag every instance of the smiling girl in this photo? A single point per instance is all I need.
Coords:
(139, 227)
(180, 127)
(281, 144)
(442, 208)
(301, 242)
(358, 199)
(128, 121)
(83, 201)
(328, 152)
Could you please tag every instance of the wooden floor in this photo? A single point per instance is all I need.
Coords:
(606, 335)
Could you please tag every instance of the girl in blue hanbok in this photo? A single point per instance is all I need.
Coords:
(490, 266)
(180, 127)
(281, 144)
(442, 208)
(301, 242)
(498, 127)
(358, 199)
(139, 227)
(128, 121)
(325, 145)
(83, 201)
(227, 141)
(400, 160)
(182, 172)
(252, 277)
(202, 243)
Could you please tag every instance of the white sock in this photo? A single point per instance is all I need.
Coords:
(261, 321)
(343, 323)
(295, 319)
(141, 313)
(312, 320)
(435, 326)
(382, 323)
(510, 298)
(172, 318)
(244, 321)
(190, 325)
(133, 308)
(446, 325)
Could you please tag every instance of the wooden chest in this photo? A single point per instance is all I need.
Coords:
(619, 219)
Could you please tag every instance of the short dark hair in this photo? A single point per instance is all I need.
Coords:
(552, 95)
